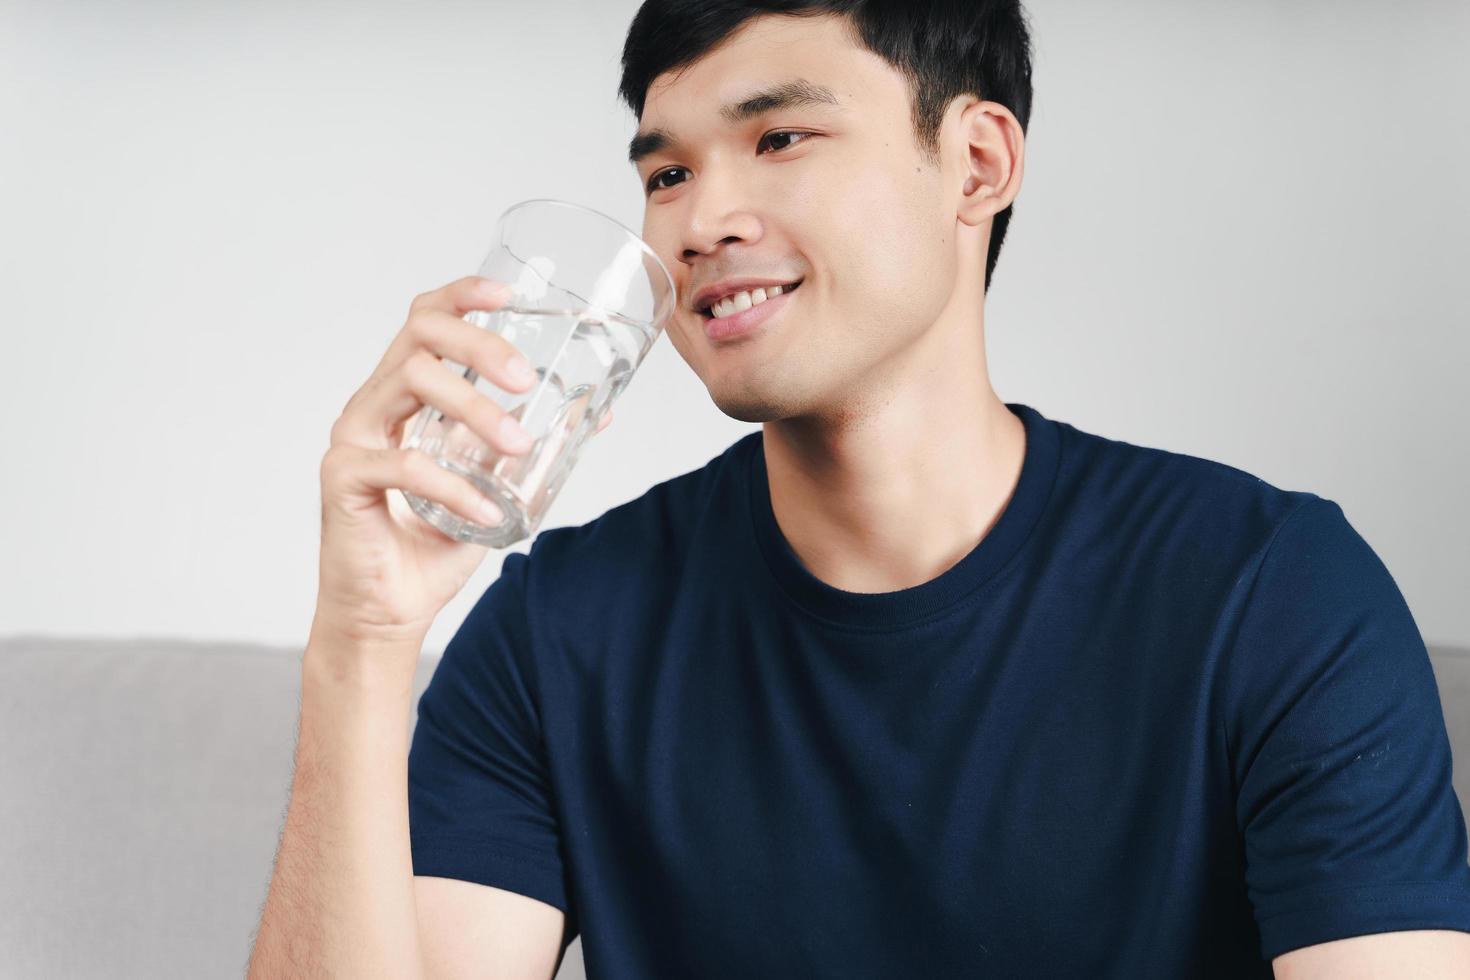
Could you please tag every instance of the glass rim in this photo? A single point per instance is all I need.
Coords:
(644, 246)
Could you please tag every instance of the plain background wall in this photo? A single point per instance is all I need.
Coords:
(1238, 237)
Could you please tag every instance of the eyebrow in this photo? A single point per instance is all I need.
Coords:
(797, 93)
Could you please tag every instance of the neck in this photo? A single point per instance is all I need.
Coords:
(897, 486)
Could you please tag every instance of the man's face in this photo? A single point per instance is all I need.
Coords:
(852, 210)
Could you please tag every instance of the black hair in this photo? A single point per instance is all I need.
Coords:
(944, 48)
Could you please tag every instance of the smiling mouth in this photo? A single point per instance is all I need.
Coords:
(708, 311)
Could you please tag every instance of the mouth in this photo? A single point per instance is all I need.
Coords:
(744, 300)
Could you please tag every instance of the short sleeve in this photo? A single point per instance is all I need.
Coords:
(479, 799)
(1338, 745)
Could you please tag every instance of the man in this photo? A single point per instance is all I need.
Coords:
(915, 682)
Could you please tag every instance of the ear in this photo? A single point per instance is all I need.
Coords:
(992, 147)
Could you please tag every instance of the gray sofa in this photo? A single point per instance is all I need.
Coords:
(145, 784)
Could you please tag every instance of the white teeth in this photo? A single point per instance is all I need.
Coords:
(744, 300)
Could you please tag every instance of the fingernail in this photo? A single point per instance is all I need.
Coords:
(520, 369)
(514, 432)
(493, 289)
(490, 513)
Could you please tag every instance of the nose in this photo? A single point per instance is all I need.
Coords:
(715, 216)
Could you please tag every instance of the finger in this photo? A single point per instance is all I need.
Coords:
(382, 406)
(464, 295)
(489, 353)
(425, 380)
(605, 420)
(349, 471)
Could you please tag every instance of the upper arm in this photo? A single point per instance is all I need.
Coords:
(1335, 733)
(472, 930)
(490, 883)
(1441, 954)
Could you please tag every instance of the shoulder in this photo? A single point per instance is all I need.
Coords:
(1195, 518)
(1130, 468)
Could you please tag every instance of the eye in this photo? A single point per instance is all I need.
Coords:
(781, 132)
(654, 185)
(653, 181)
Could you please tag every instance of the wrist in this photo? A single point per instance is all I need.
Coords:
(331, 623)
(343, 656)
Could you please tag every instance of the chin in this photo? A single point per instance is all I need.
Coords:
(748, 407)
(774, 391)
(763, 396)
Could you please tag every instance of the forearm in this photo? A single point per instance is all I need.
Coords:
(341, 898)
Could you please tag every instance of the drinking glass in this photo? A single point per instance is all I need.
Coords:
(588, 299)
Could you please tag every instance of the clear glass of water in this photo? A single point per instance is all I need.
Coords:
(589, 298)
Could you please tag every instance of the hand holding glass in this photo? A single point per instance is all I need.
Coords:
(588, 298)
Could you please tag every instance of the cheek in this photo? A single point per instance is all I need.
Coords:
(661, 236)
(887, 248)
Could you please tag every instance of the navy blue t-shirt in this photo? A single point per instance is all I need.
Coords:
(1165, 719)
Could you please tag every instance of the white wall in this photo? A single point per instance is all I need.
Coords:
(1237, 238)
